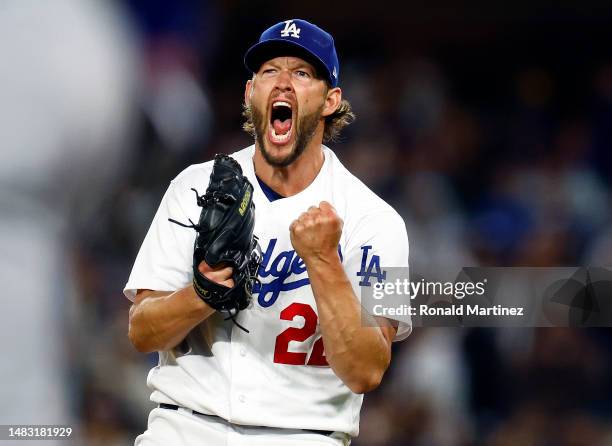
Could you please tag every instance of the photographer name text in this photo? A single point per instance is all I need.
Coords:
(450, 310)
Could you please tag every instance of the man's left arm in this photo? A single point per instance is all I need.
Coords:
(357, 349)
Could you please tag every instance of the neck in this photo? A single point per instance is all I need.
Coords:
(294, 178)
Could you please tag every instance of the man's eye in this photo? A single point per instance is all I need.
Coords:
(268, 70)
(302, 73)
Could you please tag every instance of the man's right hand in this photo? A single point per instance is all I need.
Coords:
(220, 274)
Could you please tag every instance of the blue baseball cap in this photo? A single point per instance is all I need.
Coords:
(299, 38)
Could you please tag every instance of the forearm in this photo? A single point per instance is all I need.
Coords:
(355, 346)
(160, 320)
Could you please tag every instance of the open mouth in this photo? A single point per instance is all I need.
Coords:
(281, 122)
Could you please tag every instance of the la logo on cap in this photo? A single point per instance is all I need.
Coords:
(290, 29)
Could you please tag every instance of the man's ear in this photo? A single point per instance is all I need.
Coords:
(332, 101)
(248, 91)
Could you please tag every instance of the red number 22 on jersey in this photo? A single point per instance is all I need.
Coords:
(282, 355)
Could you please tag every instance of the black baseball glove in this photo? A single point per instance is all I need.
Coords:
(225, 237)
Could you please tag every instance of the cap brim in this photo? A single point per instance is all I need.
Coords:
(269, 49)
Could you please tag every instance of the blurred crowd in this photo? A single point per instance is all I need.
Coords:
(495, 148)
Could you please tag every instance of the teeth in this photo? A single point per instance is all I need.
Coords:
(280, 138)
(281, 104)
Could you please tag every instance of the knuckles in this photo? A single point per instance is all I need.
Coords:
(323, 217)
(317, 219)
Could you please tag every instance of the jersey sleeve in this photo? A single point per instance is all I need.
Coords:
(164, 262)
(377, 242)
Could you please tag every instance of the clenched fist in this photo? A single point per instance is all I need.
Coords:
(316, 233)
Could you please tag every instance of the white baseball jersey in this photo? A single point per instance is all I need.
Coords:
(277, 374)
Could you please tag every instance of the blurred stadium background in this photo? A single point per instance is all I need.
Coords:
(489, 127)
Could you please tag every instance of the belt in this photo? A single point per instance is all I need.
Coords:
(174, 407)
(195, 412)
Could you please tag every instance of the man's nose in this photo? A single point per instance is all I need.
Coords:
(283, 81)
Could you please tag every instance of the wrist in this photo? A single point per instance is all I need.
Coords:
(323, 259)
(199, 304)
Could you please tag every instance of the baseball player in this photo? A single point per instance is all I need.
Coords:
(298, 376)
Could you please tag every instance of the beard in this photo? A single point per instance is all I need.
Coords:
(305, 129)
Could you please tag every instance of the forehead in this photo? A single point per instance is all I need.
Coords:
(289, 61)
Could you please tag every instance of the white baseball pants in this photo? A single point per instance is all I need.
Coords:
(183, 428)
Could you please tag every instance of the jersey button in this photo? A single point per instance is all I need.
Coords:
(242, 352)
(242, 398)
